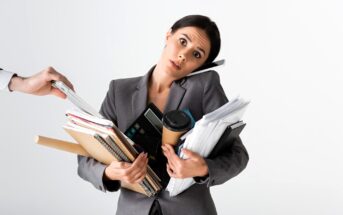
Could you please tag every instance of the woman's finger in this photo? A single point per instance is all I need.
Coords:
(140, 173)
(172, 158)
(139, 177)
(120, 165)
(190, 154)
(165, 150)
(139, 165)
(170, 171)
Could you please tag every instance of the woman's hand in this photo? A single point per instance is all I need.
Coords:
(128, 172)
(194, 165)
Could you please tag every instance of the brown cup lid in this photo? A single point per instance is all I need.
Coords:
(177, 120)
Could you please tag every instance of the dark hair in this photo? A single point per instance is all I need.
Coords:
(206, 24)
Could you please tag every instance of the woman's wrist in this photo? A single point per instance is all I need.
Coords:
(106, 176)
(203, 170)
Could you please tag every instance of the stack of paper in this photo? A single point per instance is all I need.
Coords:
(205, 135)
(106, 143)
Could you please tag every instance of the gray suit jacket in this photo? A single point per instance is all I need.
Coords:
(126, 99)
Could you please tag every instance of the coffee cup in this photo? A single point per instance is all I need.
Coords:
(175, 123)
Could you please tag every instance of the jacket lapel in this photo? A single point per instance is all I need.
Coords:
(140, 96)
(175, 97)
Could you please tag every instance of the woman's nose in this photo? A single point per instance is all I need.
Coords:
(182, 57)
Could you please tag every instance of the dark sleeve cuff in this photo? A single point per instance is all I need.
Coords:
(110, 185)
(202, 180)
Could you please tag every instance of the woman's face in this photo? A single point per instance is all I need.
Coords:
(186, 50)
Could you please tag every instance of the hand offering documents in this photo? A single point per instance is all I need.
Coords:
(206, 134)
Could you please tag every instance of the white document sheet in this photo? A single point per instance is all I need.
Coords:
(205, 135)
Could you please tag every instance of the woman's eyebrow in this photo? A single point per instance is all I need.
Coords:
(188, 38)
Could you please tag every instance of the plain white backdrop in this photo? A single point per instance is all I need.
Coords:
(286, 56)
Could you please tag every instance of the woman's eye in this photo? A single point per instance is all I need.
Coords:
(196, 54)
(183, 42)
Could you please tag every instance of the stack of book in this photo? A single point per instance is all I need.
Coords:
(103, 141)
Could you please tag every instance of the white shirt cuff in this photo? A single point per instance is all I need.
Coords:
(5, 78)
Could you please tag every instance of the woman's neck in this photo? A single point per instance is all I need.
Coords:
(159, 80)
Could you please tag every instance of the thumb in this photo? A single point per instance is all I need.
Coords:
(189, 154)
(58, 93)
(120, 165)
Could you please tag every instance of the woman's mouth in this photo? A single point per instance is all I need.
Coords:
(175, 65)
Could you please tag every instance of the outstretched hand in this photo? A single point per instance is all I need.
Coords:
(40, 83)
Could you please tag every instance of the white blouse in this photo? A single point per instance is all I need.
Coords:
(5, 78)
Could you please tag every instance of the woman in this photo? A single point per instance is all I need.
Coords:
(192, 42)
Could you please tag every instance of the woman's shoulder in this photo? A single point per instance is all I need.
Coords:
(125, 83)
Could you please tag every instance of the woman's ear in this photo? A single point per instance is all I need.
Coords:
(168, 35)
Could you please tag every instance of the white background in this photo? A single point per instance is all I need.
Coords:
(286, 56)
